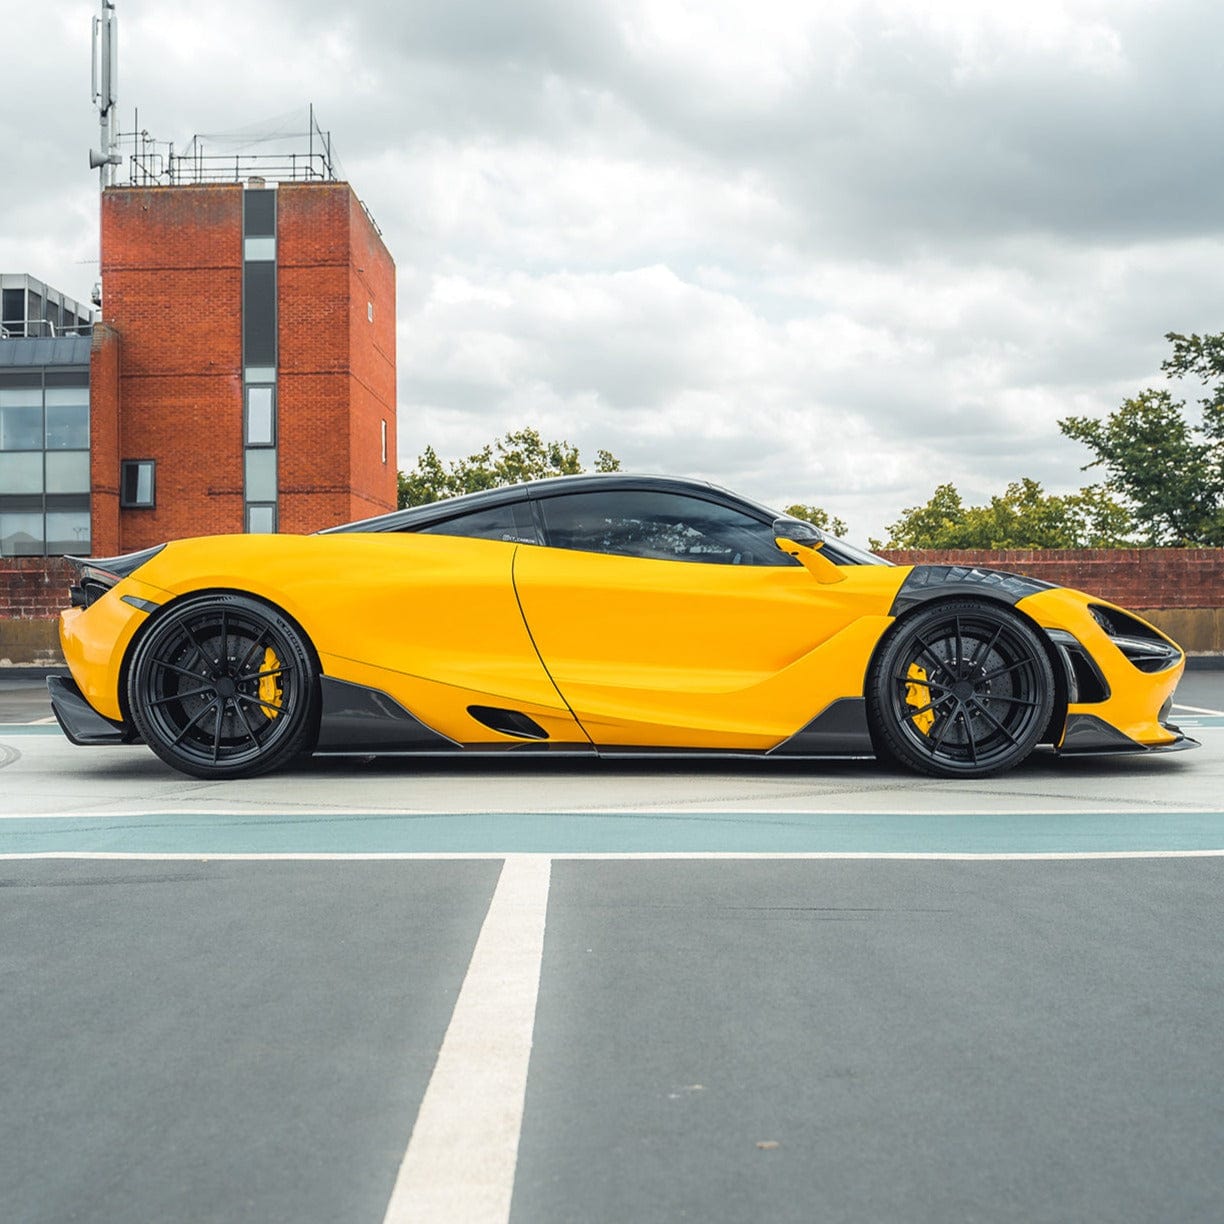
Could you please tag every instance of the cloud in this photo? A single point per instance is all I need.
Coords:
(833, 253)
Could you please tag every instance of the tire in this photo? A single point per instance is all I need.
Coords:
(960, 689)
(223, 686)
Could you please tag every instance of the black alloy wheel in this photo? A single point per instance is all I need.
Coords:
(223, 686)
(960, 689)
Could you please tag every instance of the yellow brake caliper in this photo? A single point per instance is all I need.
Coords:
(270, 691)
(918, 695)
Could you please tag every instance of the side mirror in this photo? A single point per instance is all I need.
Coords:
(798, 531)
(803, 541)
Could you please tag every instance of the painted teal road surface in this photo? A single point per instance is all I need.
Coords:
(618, 834)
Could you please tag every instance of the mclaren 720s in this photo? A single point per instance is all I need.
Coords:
(600, 615)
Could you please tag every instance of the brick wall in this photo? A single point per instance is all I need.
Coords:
(104, 442)
(172, 286)
(1135, 578)
(337, 364)
(32, 591)
(1181, 590)
(172, 290)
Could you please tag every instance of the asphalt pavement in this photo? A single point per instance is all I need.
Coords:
(609, 991)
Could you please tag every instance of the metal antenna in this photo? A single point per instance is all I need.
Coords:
(106, 92)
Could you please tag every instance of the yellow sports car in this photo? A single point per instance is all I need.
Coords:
(602, 615)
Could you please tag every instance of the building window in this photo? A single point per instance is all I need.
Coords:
(68, 531)
(259, 313)
(384, 441)
(44, 459)
(138, 484)
(67, 418)
(13, 311)
(260, 475)
(260, 416)
(68, 471)
(261, 518)
(258, 249)
(21, 472)
(21, 418)
(22, 534)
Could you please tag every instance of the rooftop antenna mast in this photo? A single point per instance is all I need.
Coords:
(106, 92)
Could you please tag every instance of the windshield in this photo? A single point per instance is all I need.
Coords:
(837, 550)
(841, 553)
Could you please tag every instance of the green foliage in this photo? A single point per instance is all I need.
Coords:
(1023, 517)
(520, 455)
(819, 517)
(1168, 472)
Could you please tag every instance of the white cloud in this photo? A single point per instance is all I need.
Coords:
(835, 253)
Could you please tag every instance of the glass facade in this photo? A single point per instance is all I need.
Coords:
(30, 310)
(44, 462)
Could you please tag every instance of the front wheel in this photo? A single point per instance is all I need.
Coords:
(223, 686)
(960, 689)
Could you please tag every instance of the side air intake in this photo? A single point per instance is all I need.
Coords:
(508, 722)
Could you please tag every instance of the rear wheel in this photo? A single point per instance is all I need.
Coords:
(223, 686)
(960, 689)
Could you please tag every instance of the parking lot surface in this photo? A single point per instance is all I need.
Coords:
(610, 991)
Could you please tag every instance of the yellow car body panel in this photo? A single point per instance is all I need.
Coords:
(1135, 697)
(725, 657)
(424, 607)
(95, 641)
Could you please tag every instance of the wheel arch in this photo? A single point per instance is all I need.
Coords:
(961, 592)
(154, 618)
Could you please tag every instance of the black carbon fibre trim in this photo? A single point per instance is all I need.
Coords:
(79, 721)
(838, 730)
(1085, 682)
(360, 719)
(927, 582)
(143, 605)
(1086, 735)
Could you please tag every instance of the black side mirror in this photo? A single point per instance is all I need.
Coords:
(798, 530)
(803, 541)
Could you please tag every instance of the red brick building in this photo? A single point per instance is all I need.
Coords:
(243, 378)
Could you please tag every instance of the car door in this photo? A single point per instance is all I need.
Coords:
(666, 620)
(433, 621)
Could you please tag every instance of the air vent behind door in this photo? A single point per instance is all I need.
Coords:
(508, 722)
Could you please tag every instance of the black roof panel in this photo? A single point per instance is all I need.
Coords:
(416, 517)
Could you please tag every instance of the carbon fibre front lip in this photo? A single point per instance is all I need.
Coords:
(1088, 735)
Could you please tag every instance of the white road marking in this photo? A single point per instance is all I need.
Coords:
(1196, 709)
(613, 856)
(461, 1158)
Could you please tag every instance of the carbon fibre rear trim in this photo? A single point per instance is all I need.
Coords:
(359, 719)
(838, 730)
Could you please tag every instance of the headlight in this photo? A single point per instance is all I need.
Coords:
(1136, 639)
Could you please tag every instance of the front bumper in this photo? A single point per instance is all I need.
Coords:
(1088, 735)
(79, 721)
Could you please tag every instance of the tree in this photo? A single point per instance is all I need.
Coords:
(819, 518)
(1023, 517)
(1169, 472)
(520, 455)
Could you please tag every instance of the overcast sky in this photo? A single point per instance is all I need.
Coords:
(834, 252)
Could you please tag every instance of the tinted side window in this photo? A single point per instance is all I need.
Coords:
(664, 526)
(511, 522)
